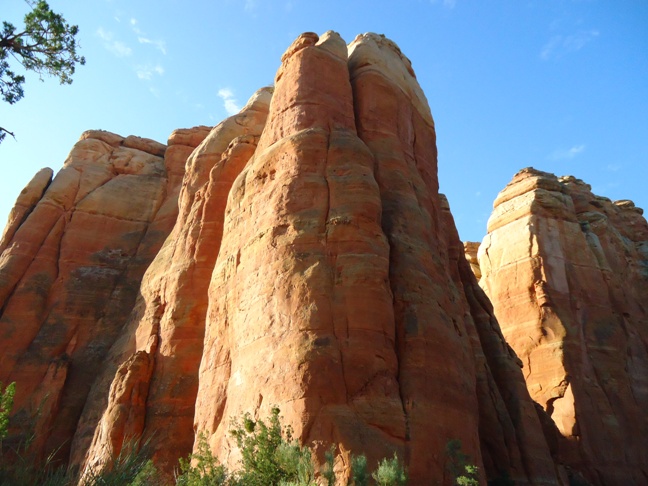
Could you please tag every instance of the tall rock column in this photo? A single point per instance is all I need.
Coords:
(300, 307)
(566, 272)
(436, 368)
(340, 294)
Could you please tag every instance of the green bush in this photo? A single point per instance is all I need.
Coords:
(207, 471)
(390, 472)
(6, 404)
(131, 468)
(328, 472)
(269, 456)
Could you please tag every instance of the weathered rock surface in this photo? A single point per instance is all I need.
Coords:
(299, 255)
(335, 295)
(74, 254)
(160, 354)
(567, 273)
(470, 251)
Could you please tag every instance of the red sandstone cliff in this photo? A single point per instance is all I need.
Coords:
(73, 255)
(298, 255)
(567, 274)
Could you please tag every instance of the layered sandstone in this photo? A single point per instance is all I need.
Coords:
(567, 274)
(471, 248)
(74, 253)
(337, 294)
(299, 255)
(154, 386)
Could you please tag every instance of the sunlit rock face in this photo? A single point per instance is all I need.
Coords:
(339, 293)
(299, 255)
(73, 255)
(567, 273)
(159, 354)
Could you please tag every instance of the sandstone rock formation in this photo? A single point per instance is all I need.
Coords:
(567, 273)
(470, 251)
(334, 295)
(74, 252)
(299, 255)
(160, 354)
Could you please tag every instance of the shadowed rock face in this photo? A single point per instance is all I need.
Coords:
(567, 274)
(297, 255)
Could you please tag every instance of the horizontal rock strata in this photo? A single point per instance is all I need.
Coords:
(567, 274)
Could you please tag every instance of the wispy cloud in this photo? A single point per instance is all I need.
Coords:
(142, 38)
(147, 71)
(118, 48)
(160, 45)
(251, 5)
(560, 45)
(230, 104)
(567, 154)
(613, 167)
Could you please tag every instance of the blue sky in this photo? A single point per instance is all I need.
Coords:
(560, 85)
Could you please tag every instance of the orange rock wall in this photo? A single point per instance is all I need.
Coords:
(566, 272)
(334, 295)
(299, 255)
(74, 253)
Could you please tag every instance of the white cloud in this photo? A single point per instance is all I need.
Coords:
(160, 45)
(118, 48)
(230, 104)
(147, 71)
(613, 167)
(567, 154)
(560, 45)
(250, 5)
(142, 38)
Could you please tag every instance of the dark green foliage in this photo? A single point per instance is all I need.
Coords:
(359, 473)
(131, 468)
(269, 456)
(6, 404)
(463, 472)
(206, 471)
(327, 471)
(503, 480)
(46, 45)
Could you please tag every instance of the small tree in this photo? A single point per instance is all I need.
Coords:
(390, 472)
(46, 44)
(206, 469)
(359, 473)
(270, 457)
(328, 471)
